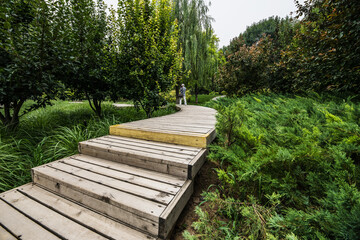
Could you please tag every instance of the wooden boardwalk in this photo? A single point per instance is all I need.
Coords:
(132, 184)
(192, 126)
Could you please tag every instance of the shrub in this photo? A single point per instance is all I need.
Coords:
(296, 159)
(170, 97)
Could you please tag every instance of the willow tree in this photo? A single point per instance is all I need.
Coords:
(196, 39)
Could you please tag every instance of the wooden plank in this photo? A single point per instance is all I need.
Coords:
(176, 130)
(211, 136)
(148, 145)
(79, 213)
(140, 191)
(151, 125)
(172, 212)
(148, 142)
(125, 177)
(5, 235)
(103, 205)
(51, 219)
(183, 120)
(143, 149)
(162, 167)
(182, 123)
(175, 138)
(196, 164)
(161, 177)
(20, 225)
(140, 154)
(137, 205)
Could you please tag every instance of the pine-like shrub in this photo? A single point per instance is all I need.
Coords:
(289, 168)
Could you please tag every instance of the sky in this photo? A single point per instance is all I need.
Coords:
(231, 17)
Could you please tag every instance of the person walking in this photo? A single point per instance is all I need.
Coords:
(183, 93)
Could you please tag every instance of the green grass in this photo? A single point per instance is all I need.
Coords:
(202, 99)
(52, 133)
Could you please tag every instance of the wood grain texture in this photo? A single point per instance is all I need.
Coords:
(136, 171)
(198, 129)
(172, 212)
(127, 201)
(50, 219)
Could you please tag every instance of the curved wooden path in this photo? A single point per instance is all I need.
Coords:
(131, 184)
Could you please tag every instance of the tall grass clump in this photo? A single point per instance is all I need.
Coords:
(54, 132)
(289, 168)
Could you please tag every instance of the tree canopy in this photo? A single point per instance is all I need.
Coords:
(29, 56)
(320, 52)
(50, 46)
(197, 41)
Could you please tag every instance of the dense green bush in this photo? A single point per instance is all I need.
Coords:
(289, 168)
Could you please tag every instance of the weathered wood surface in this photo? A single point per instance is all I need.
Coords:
(120, 191)
(170, 215)
(162, 157)
(34, 213)
(191, 126)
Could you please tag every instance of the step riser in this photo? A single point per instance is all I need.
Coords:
(200, 141)
(136, 161)
(169, 217)
(98, 203)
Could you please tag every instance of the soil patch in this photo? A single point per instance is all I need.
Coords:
(204, 179)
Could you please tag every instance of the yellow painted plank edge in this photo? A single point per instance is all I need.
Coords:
(194, 141)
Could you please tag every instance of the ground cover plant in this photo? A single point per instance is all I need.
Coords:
(51, 133)
(202, 98)
(289, 169)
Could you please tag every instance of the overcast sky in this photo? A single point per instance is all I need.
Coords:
(233, 16)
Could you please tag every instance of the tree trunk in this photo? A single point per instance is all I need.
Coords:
(196, 93)
(95, 105)
(177, 92)
(8, 120)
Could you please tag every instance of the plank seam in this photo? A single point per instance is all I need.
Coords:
(102, 184)
(66, 216)
(144, 151)
(140, 157)
(153, 143)
(131, 146)
(130, 211)
(118, 170)
(34, 220)
(10, 232)
(69, 164)
(94, 210)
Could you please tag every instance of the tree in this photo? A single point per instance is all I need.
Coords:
(248, 68)
(324, 54)
(86, 51)
(196, 38)
(146, 41)
(29, 53)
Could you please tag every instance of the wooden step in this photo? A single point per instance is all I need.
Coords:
(192, 126)
(178, 160)
(146, 200)
(31, 212)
